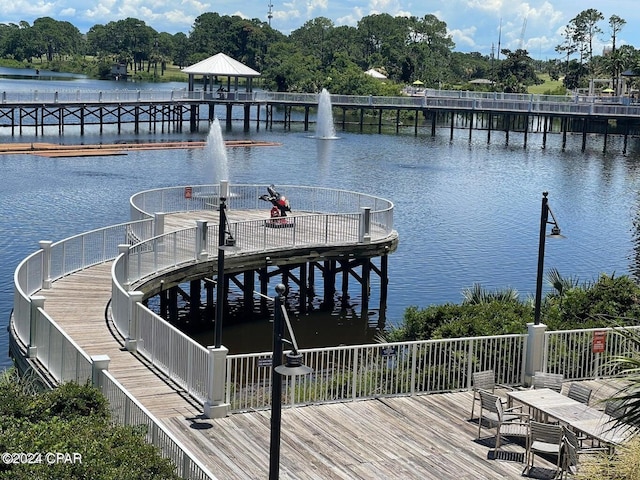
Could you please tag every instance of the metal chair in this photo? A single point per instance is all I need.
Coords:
(483, 380)
(489, 410)
(546, 439)
(548, 380)
(580, 393)
(572, 449)
(516, 427)
(615, 408)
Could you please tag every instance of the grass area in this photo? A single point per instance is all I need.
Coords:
(548, 86)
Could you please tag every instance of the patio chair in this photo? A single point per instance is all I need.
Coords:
(615, 408)
(548, 380)
(579, 392)
(483, 380)
(516, 427)
(489, 411)
(572, 449)
(545, 439)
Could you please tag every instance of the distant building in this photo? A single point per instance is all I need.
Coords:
(119, 71)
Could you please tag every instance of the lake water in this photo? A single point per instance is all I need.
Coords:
(466, 212)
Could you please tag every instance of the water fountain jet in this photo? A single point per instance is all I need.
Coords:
(217, 151)
(325, 129)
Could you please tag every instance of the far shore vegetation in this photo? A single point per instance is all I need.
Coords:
(321, 55)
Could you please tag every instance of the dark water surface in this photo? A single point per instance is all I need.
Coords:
(466, 212)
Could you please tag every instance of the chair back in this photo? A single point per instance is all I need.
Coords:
(546, 432)
(615, 408)
(488, 401)
(548, 380)
(571, 448)
(485, 380)
(580, 393)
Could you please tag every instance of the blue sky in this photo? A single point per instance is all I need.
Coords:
(474, 25)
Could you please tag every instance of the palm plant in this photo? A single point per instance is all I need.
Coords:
(478, 294)
(629, 366)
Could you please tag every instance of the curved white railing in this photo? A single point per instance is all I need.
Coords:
(316, 227)
(43, 340)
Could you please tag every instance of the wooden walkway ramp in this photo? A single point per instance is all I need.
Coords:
(420, 437)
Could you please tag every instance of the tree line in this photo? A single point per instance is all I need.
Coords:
(320, 54)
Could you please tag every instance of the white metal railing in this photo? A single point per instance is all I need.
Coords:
(205, 197)
(63, 358)
(350, 373)
(572, 352)
(126, 410)
(534, 103)
(432, 366)
(62, 258)
(171, 250)
(173, 352)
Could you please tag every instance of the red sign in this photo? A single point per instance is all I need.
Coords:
(599, 340)
(187, 192)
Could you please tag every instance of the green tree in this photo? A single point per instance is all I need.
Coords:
(72, 419)
(516, 71)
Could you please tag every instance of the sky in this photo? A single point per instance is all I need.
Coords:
(474, 25)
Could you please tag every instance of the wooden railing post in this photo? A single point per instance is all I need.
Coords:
(37, 302)
(215, 406)
(123, 249)
(45, 245)
(535, 351)
(98, 364)
(365, 225)
(131, 342)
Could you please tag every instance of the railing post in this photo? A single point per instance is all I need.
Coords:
(131, 342)
(37, 301)
(98, 364)
(535, 351)
(201, 240)
(123, 249)
(215, 406)
(158, 224)
(158, 232)
(365, 225)
(45, 245)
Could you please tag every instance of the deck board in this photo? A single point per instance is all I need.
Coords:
(420, 437)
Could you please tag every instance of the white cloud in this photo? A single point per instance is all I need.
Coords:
(463, 38)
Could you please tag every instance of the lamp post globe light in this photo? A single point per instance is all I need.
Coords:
(292, 366)
(555, 233)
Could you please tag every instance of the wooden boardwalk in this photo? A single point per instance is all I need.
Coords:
(420, 437)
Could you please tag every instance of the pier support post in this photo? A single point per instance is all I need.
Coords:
(37, 301)
(535, 351)
(215, 406)
(45, 245)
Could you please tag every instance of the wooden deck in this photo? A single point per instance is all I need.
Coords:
(420, 437)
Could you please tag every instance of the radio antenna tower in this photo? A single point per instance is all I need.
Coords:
(270, 13)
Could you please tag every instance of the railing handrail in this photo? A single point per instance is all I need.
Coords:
(531, 103)
(212, 193)
(166, 442)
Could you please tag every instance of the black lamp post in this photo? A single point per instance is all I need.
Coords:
(555, 233)
(224, 242)
(293, 366)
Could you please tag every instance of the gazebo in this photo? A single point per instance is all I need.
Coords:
(224, 66)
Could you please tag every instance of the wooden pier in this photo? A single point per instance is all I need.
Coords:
(434, 110)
